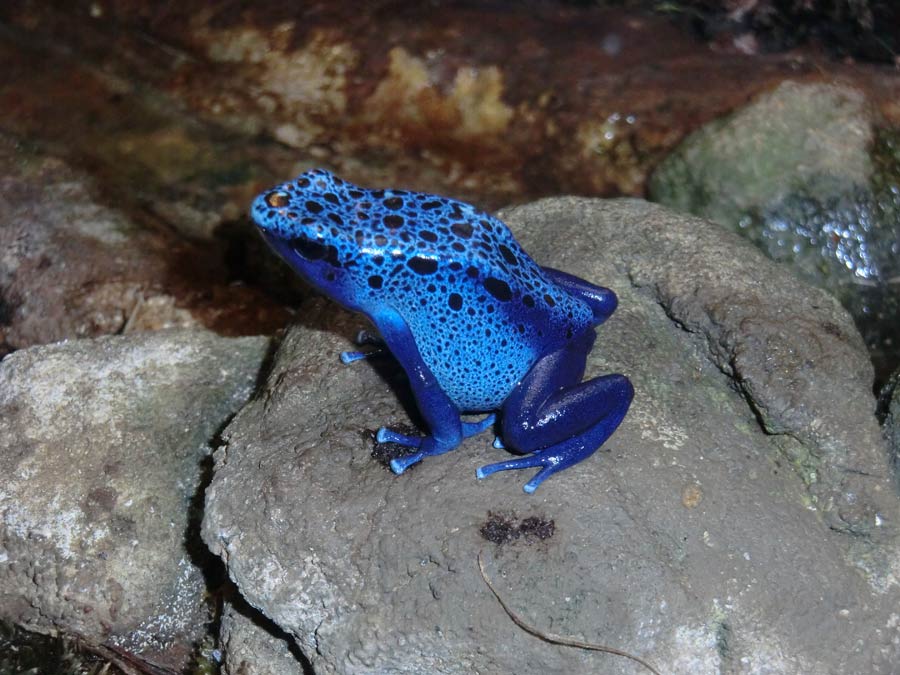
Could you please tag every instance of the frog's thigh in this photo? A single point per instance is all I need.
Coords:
(568, 427)
(551, 405)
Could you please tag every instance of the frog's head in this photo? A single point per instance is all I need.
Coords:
(305, 221)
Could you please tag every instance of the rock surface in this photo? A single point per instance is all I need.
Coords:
(104, 447)
(252, 645)
(741, 520)
(890, 411)
(808, 175)
(71, 266)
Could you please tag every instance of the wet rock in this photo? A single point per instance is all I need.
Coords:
(807, 175)
(747, 490)
(889, 404)
(104, 448)
(72, 267)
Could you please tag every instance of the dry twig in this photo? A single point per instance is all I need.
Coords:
(557, 639)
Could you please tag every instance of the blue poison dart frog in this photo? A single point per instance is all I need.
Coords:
(477, 325)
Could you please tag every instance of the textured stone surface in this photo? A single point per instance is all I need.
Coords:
(777, 340)
(890, 410)
(104, 447)
(740, 520)
(253, 645)
(796, 135)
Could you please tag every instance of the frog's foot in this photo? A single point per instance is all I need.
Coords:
(350, 357)
(473, 428)
(363, 338)
(550, 459)
(428, 445)
(386, 435)
(401, 464)
(563, 429)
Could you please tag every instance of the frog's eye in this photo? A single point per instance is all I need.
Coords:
(277, 199)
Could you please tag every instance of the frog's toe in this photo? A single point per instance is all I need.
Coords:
(385, 435)
(498, 444)
(401, 464)
(519, 463)
(362, 338)
(550, 462)
(540, 477)
(350, 357)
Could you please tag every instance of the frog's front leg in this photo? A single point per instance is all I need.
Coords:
(557, 418)
(439, 412)
(363, 338)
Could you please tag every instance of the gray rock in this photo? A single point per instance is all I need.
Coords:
(252, 645)
(814, 135)
(806, 173)
(104, 445)
(742, 519)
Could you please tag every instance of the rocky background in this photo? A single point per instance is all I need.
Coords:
(188, 477)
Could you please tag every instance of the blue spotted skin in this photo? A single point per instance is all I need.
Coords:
(475, 322)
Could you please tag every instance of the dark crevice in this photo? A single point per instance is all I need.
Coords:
(261, 621)
(220, 588)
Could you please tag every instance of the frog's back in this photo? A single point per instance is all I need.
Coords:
(480, 309)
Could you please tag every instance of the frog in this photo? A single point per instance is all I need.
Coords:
(477, 325)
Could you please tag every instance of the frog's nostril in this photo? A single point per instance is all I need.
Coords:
(277, 199)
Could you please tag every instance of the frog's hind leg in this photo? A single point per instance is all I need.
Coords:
(557, 419)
